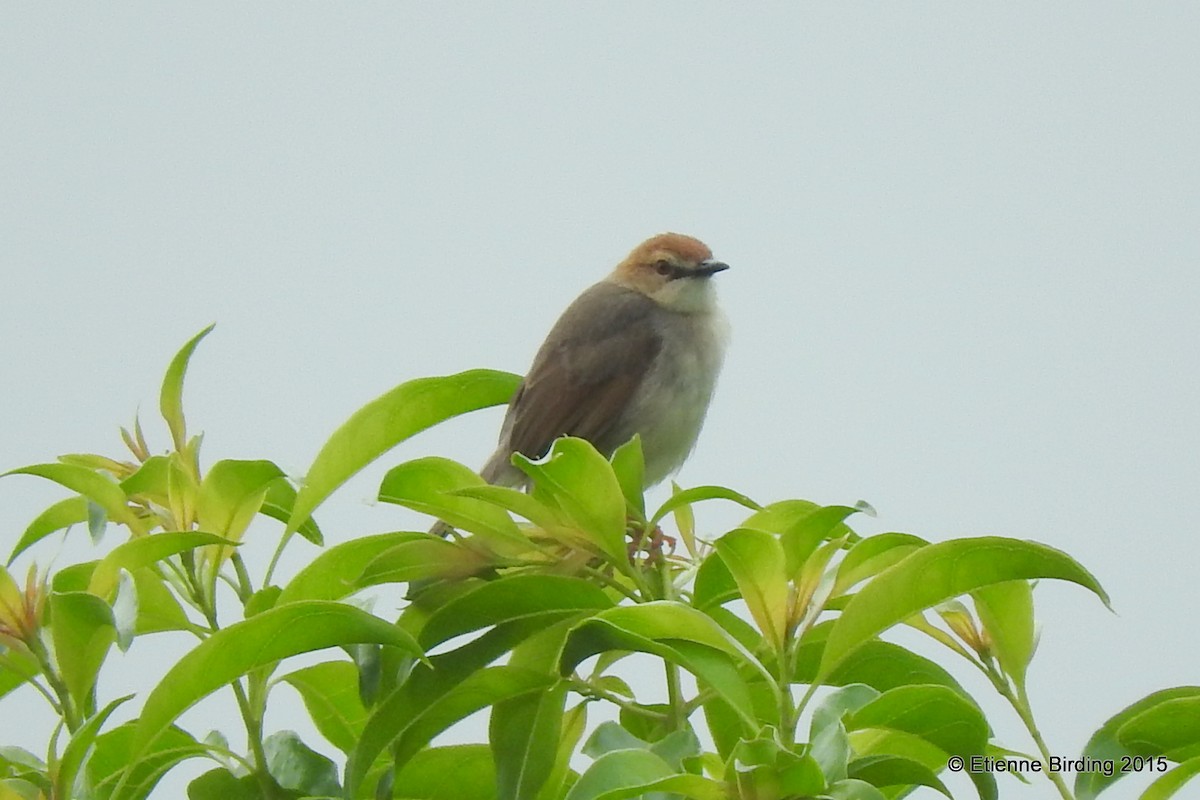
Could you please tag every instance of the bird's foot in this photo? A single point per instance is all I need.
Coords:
(654, 547)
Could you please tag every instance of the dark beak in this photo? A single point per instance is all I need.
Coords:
(708, 268)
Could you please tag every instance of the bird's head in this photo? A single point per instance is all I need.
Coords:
(673, 270)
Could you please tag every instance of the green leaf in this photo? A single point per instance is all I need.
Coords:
(18, 757)
(573, 724)
(1006, 613)
(77, 749)
(727, 725)
(778, 517)
(524, 733)
(830, 741)
(675, 785)
(878, 664)
(675, 632)
(221, 784)
(883, 741)
(330, 693)
(263, 600)
(150, 480)
(872, 555)
(696, 494)
(741, 630)
(143, 552)
(937, 714)
(83, 631)
(839, 703)
(1167, 785)
(19, 789)
(369, 662)
(14, 605)
(426, 557)
(1170, 728)
(94, 462)
(804, 535)
(158, 609)
(334, 573)
(1105, 745)
(23, 776)
(170, 398)
(894, 771)
(999, 753)
(854, 789)
(113, 754)
(608, 737)
(429, 486)
(458, 772)
(125, 610)
(17, 667)
(62, 514)
(756, 560)
(96, 487)
(182, 489)
(678, 748)
(580, 482)
(629, 466)
(97, 522)
(278, 504)
(298, 768)
(410, 718)
(74, 578)
(424, 687)
(685, 522)
(390, 419)
(523, 505)
(715, 584)
(616, 773)
(763, 767)
(547, 598)
(229, 653)
(659, 620)
(232, 493)
(940, 572)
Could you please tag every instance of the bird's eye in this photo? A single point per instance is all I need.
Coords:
(663, 267)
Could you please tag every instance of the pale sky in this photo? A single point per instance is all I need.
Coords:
(965, 262)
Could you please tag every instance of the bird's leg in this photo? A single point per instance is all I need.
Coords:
(658, 539)
(651, 545)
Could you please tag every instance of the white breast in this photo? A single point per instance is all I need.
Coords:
(669, 407)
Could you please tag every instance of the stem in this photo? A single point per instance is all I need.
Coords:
(30, 679)
(586, 689)
(245, 587)
(283, 540)
(808, 695)
(66, 705)
(788, 715)
(644, 590)
(200, 598)
(253, 723)
(600, 577)
(675, 697)
(270, 789)
(58, 709)
(674, 691)
(1019, 700)
(699, 700)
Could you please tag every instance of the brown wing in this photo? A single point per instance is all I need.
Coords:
(586, 372)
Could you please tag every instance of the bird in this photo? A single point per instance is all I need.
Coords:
(637, 353)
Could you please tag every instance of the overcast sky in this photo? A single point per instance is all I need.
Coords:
(965, 260)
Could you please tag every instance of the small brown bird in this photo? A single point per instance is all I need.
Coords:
(637, 353)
